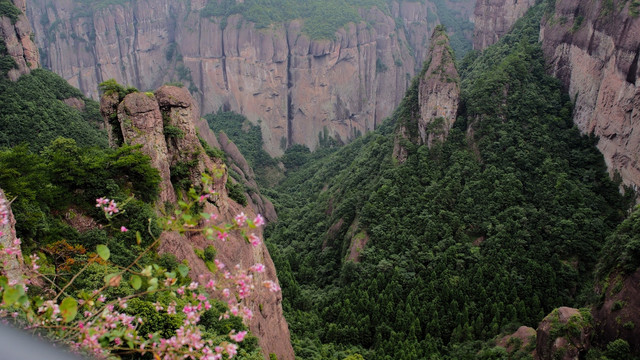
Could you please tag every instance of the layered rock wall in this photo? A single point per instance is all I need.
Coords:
(296, 86)
(17, 37)
(142, 118)
(438, 98)
(593, 47)
(439, 92)
(494, 18)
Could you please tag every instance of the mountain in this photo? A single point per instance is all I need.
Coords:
(489, 228)
(341, 70)
(60, 151)
(16, 35)
(593, 48)
(494, 18)
(164, 124)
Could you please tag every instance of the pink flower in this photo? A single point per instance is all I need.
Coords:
(241, 219)
(223, 236)
(254, 240)
(259, 268)
(123, 229)
(272, 286)
(232, 350)
(238, 337)
(259, 220)
(211, 284)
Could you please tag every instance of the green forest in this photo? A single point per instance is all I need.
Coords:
(490, 230)
(54, 164)
(323, 17)
(509, 218)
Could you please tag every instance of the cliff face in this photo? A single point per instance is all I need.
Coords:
(298, 87)
(439, 92)
(16, 34)
(494, 18)
(593, 48)
(142, 119)
(13, 265)
(438, 97)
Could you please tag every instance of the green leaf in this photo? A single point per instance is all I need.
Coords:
(69, 309)
(138, 237)
(153, 284)
(211, 266)
(147, 271)
(136, 282)
(12, 294)
(103, 252)
(183, 270)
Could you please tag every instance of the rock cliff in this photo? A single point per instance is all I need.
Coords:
(593, 48)
(494, 18)
(164, 123)
(12, 263)
(298, 87)
(564, 334)
(16, 33)
(438, 97)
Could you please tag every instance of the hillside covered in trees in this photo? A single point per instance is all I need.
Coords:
(489, 230)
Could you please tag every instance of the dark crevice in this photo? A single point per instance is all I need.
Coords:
(289, 87)
(224, 61)
(633, 69)
(134, 49)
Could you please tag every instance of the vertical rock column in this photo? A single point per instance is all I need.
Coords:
(16, 34)
(11, 263)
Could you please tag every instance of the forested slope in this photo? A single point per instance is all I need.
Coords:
(495, 227)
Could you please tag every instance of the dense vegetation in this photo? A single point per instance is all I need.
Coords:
(6, 61)
(32, 110)
(323, 17)
(459, 28)
(9, 10)
(53, 182)
(246, 136)
(495, 227)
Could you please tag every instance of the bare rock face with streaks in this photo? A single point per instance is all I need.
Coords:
(439, 92)
(13, 264)
(494, 18)
(142, 118)
(593, 47)
(437, 100)
(17, 36)
(297, 87)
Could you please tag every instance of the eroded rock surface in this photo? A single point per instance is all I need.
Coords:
(438, 99)
(17, 37)
(564, 334)
(12, 264)
(494, 18)
(593, 48)
(298, 87)
(619, 315)
(142, 119)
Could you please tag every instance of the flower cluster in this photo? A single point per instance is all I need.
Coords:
(4, 213)
(92, 322)
(109, 207)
